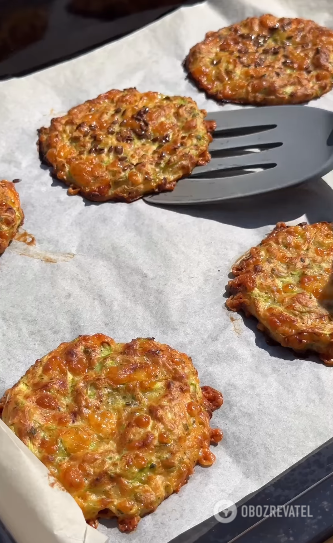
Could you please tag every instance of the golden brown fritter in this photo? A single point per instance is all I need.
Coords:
(120, 425)
(125, 144)
(265, 61)
(285, 282)
(11, 214)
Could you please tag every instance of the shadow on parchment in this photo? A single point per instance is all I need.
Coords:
(109, 522)
(313, 199)
(274, 349)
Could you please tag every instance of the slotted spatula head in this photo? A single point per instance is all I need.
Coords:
(295, 144)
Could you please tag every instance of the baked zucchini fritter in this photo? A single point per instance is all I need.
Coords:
(265, 61)
(285, 283)
(11, 214)
(120, 426)
(125, 144)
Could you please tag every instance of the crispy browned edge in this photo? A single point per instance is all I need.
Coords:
(11, 188)
(243, 266)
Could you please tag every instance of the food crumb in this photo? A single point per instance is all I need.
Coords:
(236, 324)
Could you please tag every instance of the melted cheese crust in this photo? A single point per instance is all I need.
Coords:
(285, 282)
(11, 214)
(120, 426)
(124, 144)
(265, 60)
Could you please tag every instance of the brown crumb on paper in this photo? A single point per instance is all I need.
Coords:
(30, 251)
(236, 324)
(25, 237)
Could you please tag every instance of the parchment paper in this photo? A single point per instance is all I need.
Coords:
(32, 504)
(139, 270)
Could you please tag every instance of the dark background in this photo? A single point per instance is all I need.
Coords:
(37, 33)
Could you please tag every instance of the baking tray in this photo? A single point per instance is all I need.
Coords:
(309, 482)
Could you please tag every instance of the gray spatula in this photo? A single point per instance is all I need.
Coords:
(295, 144)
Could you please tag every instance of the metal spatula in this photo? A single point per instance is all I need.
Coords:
(295, 144)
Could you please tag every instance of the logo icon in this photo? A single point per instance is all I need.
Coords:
(225, 511)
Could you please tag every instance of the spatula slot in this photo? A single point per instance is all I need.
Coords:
(242, 131)
(244, 150)
(233, 171)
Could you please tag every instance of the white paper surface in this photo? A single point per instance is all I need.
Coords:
(32, 510)
(140, 270)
